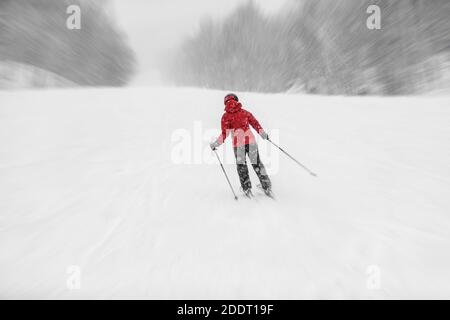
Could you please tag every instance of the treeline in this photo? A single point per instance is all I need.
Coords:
(321, 46)
(35, 33)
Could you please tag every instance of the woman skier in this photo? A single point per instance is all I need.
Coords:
(237, 121)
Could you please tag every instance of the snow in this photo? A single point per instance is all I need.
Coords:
(88, 179)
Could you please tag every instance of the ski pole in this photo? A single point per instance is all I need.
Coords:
(226, 176)
(296, 161)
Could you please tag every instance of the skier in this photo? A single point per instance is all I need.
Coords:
(237, 121)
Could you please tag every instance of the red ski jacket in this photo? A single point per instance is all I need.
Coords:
(237, 121)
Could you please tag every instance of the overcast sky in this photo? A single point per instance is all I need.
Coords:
(156, 26)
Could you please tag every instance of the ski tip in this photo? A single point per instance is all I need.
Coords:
(270, 195)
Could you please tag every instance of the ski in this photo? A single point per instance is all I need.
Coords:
(268, 193)
(249, 195)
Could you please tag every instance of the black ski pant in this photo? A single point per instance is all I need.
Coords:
(241, 153)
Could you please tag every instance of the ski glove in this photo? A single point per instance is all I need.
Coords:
(264, 135)
(214, 145)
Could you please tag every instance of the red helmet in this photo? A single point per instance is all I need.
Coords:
(231, 96)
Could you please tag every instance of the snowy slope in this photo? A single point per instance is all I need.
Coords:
(88, 179)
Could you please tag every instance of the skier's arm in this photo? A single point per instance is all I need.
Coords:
(255, 124)
(225, 132)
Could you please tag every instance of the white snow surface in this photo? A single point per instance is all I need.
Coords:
(87, 179)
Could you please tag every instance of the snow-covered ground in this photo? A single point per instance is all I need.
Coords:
(89, 183)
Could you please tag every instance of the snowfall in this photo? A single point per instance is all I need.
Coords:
(115, 193)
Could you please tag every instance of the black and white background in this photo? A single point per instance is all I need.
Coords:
(108, 187)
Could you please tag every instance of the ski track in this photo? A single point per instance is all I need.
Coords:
(86, 179)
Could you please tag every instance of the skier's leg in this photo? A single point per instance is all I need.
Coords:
(259, 168)
(242, 169)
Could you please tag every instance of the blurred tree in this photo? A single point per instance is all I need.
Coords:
(321, 46)
(35, 33)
